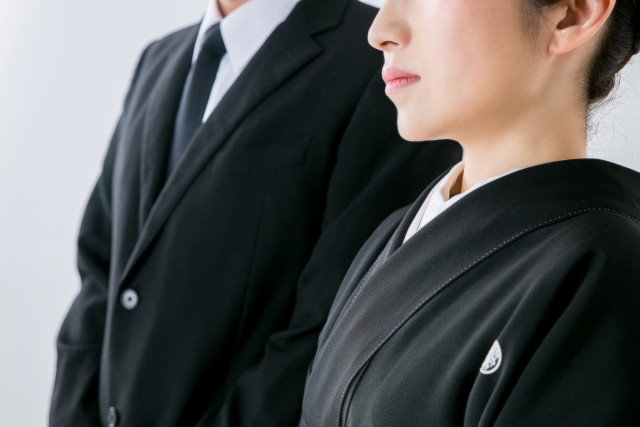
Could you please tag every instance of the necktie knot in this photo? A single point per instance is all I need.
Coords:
(213, 42)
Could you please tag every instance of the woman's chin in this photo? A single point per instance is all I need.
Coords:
(418, 127)
(415, 133)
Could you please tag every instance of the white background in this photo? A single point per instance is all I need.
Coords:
(64, 69)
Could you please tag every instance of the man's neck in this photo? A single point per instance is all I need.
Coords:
(228, 6)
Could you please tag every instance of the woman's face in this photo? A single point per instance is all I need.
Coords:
(473, 65)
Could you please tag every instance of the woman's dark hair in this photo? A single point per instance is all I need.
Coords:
(619, 43)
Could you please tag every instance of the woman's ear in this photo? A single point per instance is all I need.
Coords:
(575, 22)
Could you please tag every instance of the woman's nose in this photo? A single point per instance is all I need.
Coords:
(389, 30)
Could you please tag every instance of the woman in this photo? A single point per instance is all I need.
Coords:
(509, 293)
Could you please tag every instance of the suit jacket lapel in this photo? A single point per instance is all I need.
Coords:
(288, 49)
(158, 125)
(471, 231)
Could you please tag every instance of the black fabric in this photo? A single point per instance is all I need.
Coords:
(544, 261)
(235, 258)
(197, 90)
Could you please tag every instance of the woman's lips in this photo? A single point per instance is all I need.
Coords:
(397, 79)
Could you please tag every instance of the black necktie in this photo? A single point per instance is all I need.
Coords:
(196, 92)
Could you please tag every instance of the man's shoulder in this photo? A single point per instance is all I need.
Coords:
(174, 39)
(341, 16)
(360, 11)
(358, 16)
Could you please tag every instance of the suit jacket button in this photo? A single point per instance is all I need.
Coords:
(129, 299)
(112, 418)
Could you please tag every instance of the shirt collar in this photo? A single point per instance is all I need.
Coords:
(246, 29)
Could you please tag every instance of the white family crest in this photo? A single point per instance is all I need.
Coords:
(492, 361)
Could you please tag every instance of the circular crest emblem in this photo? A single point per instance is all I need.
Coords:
(492, 361)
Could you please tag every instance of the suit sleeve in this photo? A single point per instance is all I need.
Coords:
(74, 400)
(375, 173)
(584, 371)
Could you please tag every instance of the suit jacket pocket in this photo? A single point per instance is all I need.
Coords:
(261, 158)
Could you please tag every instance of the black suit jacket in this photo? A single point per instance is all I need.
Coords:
(235, 259)
(517, 306)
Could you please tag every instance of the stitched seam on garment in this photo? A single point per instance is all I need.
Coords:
(358, 289)
(447, 282)
(355, 292)
(364, 280)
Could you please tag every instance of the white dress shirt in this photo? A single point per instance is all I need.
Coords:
(244, 31)
(440, 199)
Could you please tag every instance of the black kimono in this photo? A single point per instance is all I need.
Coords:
(518, 306)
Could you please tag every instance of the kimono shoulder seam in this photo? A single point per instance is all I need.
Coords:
(534, 227)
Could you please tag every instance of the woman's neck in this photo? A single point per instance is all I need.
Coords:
(535, 136)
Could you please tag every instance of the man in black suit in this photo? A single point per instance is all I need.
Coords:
(221, 226)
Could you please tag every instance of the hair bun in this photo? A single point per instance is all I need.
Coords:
(635, 23)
